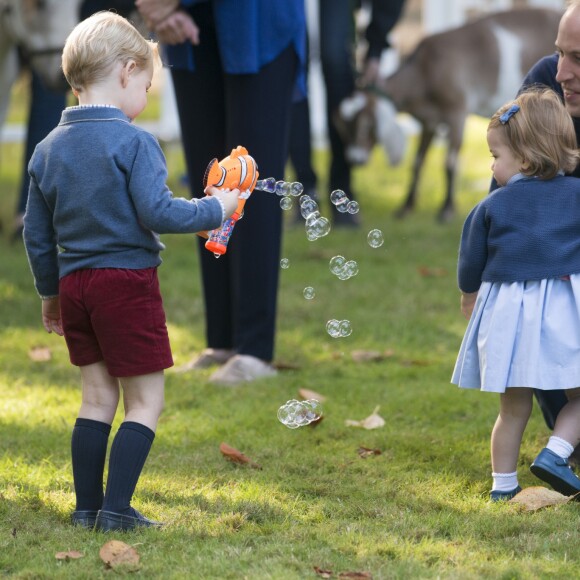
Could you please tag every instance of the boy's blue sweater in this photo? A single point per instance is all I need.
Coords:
(527, 230)
(98, 198)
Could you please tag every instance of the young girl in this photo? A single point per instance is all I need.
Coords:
(519, 274)
(97, 200)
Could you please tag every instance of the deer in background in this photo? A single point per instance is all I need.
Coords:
(472, 69)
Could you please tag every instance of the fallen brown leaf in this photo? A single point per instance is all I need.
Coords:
(362, 356)
(116, 553)
(70, 555)
(308, 394)
(365, 452)
(362, 575)
(535, 498)
(323, 573)
(237, 456)
(40, 354)
(373, 421)
(430, 272)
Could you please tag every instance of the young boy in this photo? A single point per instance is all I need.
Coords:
(97, 201)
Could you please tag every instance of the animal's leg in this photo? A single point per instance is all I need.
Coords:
(425, 140)
(455, 138)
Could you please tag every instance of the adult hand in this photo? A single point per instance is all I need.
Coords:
(51, 319)
(370, 73)
(155, 11)
(467, 303)
(178, 27)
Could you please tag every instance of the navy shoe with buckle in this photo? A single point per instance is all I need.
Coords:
(497, 495)
(84, 518)
(112, 521)
(555, 471)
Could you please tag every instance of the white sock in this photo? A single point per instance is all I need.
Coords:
(504, 481)
(560, 447)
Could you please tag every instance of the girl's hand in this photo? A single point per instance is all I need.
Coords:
(51, 319)
(178, 27)
(467, 303)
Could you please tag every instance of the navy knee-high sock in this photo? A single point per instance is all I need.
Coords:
(89, 449)
(128, 455)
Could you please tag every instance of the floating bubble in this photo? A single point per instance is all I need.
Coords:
(322, 227)
(308, 208)
(333, 328)
(294, 414)
(311, 235)
(338, 196)
(296, 188)
(309, 293)
(375, 238)
(336, 263)
(345, 328)
(286, 203)
(352, 207)
(282, 188)
(351, 268)
(284, 263)
(268, 184)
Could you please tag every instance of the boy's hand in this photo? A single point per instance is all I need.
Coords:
(467, 303)
(229, 198)
(51, 315)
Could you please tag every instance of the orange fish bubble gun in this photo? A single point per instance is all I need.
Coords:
(238, 170)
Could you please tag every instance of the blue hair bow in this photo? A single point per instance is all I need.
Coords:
(509, 114)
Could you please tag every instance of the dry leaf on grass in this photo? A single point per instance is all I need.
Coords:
(430, 272)
(356, 575)
(365, 452)
(362, 356)
(116, 553)
(70, 555)
(535, 498)
(237, 456)
(308, 394)
(40, 354)
(323, 573)
(373, 421)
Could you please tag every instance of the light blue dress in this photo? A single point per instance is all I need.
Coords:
(522, 334)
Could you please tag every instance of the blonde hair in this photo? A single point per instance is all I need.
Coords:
(96, 44)
(541, 133)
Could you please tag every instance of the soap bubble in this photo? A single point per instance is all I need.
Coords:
(352, 207)
(345, 328)
(308, 207)
(309, 293)
(296, 414)
(268, 184)
(336, 263)
(375, 238)
(284, 263)
(296, 188)
(282, 188)
(351, 268)
(338, 196)
(333, 328)
(286, 203)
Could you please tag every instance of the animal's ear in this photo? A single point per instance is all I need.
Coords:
(389, 132)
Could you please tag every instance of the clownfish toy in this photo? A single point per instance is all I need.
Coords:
(238, 170)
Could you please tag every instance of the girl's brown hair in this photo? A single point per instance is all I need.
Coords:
(96, 44)
(541, 132)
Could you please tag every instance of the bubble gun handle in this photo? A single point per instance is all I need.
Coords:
(236, 171)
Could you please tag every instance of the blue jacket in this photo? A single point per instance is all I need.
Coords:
(251, 34)
(527, 230)
(98, 198)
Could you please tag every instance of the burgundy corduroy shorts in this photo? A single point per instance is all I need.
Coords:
(116, 316)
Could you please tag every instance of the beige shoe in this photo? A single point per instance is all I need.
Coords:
(208, 357)
(242, 368)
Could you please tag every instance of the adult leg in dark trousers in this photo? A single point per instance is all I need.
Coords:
(336, 56)
(217, 112)
(551, 403)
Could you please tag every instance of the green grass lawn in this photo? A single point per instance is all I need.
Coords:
(419, 509)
